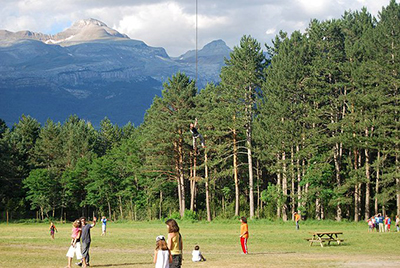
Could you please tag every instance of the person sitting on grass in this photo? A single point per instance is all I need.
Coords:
(196, 255)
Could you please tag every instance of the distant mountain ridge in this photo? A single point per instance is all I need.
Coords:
(93, 71)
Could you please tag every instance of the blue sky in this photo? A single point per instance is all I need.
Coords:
(171, 24)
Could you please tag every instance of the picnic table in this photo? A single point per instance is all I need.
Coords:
(321, 237)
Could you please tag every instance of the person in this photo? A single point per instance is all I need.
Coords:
(370, 225)
(397, 223)
(85, 241)
(244, 234)
(380, 219)
(75, 248)
(374, 223)
(103, 225)
(196, 255)
(162, 254)
(174, 243)
(297, 219)
(52, 230)
(196, 135)
(388, 222)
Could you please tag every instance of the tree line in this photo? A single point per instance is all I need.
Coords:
(311, 124)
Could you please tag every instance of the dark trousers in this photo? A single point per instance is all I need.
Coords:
(176, 261)
(85, 251)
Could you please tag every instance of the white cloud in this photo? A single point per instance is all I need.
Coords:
(171, 23)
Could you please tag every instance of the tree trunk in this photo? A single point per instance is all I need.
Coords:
(284, 188)
(292, 196)
(250, 162)
(258, 188)
(193, 180)
(109, 209)
(378, 159)
(298, 178)
(317, 208)
(356, 190)
(181, 173)
(207, 190)
(278, 185)
(235, 172)
(161, 200)
(368, 177)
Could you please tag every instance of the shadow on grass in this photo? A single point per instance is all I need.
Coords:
(271, 253)
(119, 264)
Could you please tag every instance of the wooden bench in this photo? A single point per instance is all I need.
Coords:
(321, 237)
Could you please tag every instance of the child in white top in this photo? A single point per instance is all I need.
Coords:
(162, 255)
(196, 255)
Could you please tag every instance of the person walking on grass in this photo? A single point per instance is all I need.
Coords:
(85, 240)
(297, 219)
(162, 254)
(103, 225)
(244, 234)
(53, 229)
(75, 248)
(174, 243)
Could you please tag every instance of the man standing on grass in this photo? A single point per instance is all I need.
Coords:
(85, 240)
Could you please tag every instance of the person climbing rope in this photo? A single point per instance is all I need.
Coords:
(196, 134)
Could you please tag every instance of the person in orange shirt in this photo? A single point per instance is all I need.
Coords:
(297, 219)
(244, 234)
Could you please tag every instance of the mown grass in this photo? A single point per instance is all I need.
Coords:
(271, 244)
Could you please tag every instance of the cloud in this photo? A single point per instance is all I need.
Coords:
(171, 23)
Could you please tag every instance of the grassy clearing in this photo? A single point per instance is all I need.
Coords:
(270, 245)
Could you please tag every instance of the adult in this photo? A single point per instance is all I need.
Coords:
(196, 135)
(85, 240)
(381, 224)
(174, 243)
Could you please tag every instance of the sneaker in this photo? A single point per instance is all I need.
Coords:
(79, 263)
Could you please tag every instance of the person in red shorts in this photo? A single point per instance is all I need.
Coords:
(244, 234)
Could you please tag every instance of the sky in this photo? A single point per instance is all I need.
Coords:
(172, 24)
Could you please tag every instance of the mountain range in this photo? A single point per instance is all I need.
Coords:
(92, 71)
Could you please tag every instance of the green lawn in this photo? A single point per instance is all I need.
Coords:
(270, 245)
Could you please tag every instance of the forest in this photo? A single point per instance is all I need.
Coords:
(309, 124)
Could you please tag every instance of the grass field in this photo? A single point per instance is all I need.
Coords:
(270, 245)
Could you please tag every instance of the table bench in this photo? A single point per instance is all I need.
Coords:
(321, 237)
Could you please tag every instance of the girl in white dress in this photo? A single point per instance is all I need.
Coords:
(162, 255)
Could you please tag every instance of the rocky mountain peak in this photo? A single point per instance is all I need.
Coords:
(86, 22)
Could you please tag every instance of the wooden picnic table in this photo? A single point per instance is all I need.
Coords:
(321, 237)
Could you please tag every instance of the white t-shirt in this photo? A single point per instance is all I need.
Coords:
(196, 255)
(162, 259)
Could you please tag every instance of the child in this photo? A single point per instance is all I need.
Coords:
(196, 255)
(397, 223)
(196, 135)
(297, 219)
(75, 247)
(370, 225)
(103, 225)
(174, 243)
(162, 255)
(52, 230)
(388, 222)
(244, 234)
